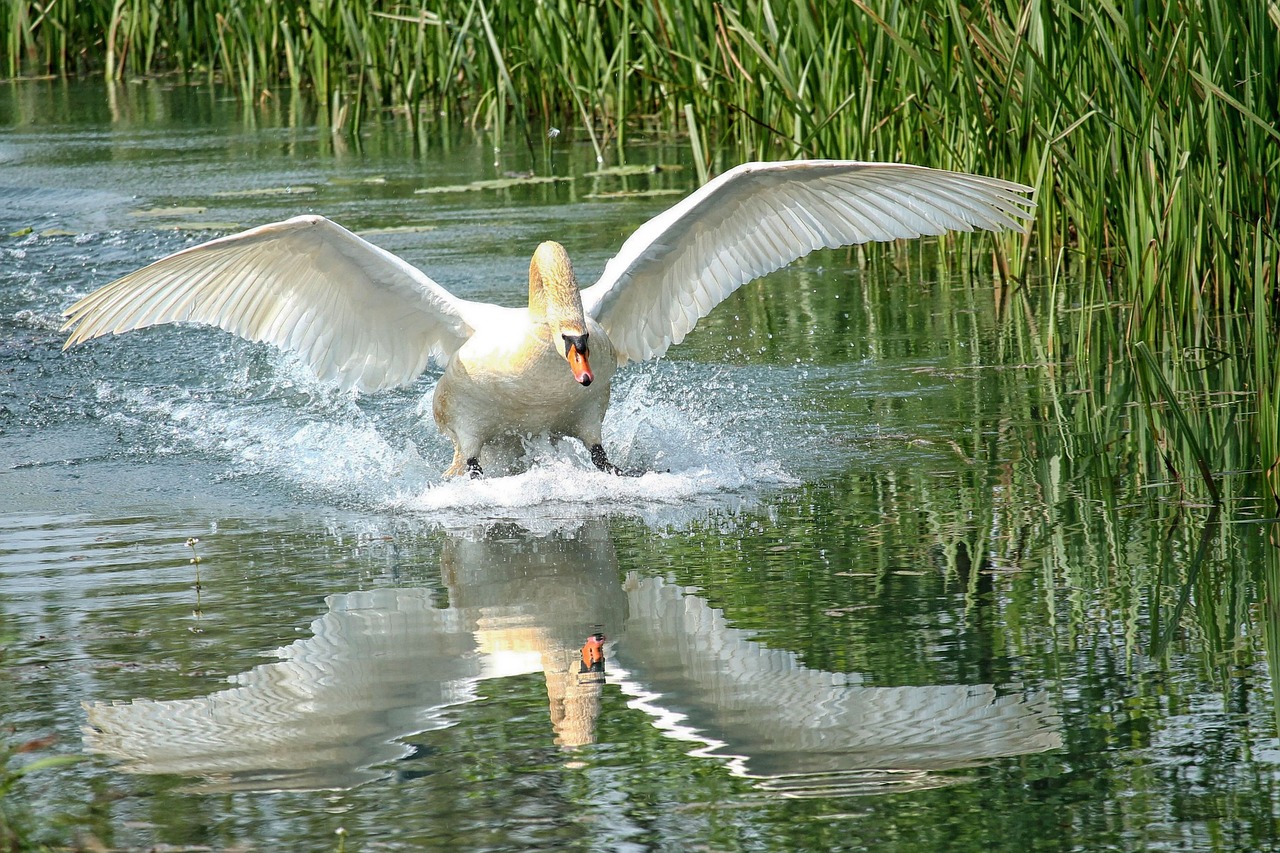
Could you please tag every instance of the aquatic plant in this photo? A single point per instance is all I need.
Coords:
(15, 830)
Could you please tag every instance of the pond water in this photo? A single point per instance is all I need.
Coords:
(879, 587)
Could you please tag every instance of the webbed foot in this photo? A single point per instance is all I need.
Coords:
(602, 462)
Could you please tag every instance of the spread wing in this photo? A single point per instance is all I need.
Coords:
(760, 217)
(357, 314)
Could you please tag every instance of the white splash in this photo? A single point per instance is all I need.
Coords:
(689, 450)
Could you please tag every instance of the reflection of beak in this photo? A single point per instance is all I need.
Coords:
(593, 654)
(575, 350)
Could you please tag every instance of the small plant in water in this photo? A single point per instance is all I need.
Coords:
(192, 542)
(14, 820)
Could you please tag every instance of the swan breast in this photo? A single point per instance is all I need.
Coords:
(512, 377)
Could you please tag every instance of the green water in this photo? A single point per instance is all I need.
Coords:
(891, 580)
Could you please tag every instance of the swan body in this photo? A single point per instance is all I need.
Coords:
(366, 319)
(510, 376)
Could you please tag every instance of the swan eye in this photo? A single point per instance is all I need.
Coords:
(578, 342)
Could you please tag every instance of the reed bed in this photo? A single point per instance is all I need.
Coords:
(1150, 131)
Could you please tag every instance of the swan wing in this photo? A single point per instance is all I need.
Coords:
(356, 313)
(759, 217)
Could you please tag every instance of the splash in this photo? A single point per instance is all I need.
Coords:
(690, 452)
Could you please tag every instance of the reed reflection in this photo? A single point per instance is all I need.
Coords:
(385, 664)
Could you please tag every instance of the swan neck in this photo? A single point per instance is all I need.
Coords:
(553, 289)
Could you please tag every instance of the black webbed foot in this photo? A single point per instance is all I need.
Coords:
(602, 462)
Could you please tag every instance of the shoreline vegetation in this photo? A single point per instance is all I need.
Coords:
(1149, 131)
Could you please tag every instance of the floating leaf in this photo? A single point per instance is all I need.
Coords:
(634, 194)
(623, 171)
(166, 212)
(351, 182)
(265, 191)
(493, 184)
(199, 226)
(397, 229)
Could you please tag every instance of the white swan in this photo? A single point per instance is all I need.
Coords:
(366, 319)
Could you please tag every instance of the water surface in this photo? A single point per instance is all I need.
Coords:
(876, 588)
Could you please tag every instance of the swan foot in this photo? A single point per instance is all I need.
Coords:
(470, 468)
(602, 462)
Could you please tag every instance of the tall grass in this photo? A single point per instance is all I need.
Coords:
(1150, 130)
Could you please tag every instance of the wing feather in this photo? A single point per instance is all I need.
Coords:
(760, 217)
(354, 312)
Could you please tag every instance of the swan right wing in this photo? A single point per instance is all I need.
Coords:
(356, 313)
(759, 217)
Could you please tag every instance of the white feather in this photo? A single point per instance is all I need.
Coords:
(760, 217)
(356, 313)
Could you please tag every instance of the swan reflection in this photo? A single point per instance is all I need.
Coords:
(385, 664)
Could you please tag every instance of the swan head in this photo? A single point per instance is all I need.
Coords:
(554, 300)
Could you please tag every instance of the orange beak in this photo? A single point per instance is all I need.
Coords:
(578, 364)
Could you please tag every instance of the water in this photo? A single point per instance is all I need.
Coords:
(871, 592)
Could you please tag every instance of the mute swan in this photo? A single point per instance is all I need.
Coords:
(362, 317)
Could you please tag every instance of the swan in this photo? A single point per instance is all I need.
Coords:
(368, 320)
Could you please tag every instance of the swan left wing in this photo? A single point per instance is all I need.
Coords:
(759, 217)
(356, 313)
